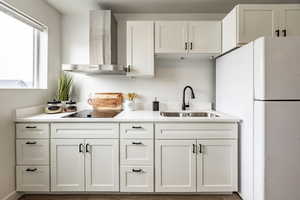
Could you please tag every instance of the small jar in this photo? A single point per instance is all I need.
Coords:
(70, 106)
(54, 107)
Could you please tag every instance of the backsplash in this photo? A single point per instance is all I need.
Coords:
(171, 76)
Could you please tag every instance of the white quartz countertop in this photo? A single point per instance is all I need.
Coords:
(127, 116)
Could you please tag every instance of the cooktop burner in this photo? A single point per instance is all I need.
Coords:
(94, 114)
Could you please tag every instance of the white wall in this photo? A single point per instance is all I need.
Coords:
(17, 98)
(172, 74)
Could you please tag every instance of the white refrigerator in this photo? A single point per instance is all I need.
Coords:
(260, 83)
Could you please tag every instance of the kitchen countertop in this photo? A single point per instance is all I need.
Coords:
(127, 116)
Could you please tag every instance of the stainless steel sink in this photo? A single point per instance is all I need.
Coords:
(188, 114)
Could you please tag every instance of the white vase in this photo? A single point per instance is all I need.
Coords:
(129, 105)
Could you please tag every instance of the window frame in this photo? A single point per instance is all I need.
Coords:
(40, 46)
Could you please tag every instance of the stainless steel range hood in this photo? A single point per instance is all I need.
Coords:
(102, 47)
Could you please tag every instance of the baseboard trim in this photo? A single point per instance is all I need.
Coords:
(13, 196)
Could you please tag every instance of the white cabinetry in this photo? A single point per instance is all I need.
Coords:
(248, 22)
(171, 37)
(67, 165)
(32, 157)
(203, 37)
(216, 165)
(290, 16)
(196, 163)
(140, 48)
(175, 166)
(136, 157)
(87, 164)
(102, 165)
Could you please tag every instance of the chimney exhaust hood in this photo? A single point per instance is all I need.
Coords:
(102, 47)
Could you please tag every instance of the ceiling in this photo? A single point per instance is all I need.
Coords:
(154, 6)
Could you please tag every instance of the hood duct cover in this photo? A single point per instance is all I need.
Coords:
(102, 46)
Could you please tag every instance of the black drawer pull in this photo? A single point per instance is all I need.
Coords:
(137, 170)
(32, 127)
(137, 127)
(31, 169)
(137, 143)
(31, 142)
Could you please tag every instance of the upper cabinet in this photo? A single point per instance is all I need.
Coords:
(188, 37)
(171, 37)
(204, 36)
(140, 48)
(290, 16)
(246, 23)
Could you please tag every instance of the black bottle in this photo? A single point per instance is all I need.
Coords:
(155, 105)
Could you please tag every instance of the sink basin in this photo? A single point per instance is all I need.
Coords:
(188, 114)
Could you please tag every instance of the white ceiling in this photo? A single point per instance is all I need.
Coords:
(155, 6)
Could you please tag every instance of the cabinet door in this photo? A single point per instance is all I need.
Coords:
(170, 36)
(256, 21)
(217, 166)
(204, 36)
(140, 48)
(102, 165)
(175, 166)
(67, 165)
(290, 16)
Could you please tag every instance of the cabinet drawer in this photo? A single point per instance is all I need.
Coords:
(32, 152)
(31, 130)
(136, 152)
(85, 130)
(137, 179)
(137, 130)
(196, 131)
(32, 178)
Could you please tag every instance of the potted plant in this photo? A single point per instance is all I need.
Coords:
(64, 87)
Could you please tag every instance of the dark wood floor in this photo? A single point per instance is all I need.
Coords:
(130, 197)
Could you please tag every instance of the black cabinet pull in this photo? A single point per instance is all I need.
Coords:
(191, 48)
(31, 142)
(194, 148)
(87, 149)
(32, 127)
(284, 32)
(200, 148)
(137, 127)
(185, 45)
(80, 148)
(137, 170)
(137, 143)
(31, 169)
(277, 32)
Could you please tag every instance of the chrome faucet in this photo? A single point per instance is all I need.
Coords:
(184, 105)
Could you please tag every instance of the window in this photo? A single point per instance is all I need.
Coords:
(23, 52)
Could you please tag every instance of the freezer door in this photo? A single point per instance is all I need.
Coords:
(277, 68)
(276, 150)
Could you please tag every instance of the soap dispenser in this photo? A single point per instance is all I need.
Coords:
(155, 105)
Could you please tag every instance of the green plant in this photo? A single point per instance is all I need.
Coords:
(64, 87)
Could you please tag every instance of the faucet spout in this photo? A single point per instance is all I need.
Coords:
(184, 105)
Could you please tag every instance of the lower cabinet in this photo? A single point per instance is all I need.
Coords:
(175, 166)
(217, 166)
(137, 179)
(102, 165)
(84, 165)
(32, 178)
(196, 165)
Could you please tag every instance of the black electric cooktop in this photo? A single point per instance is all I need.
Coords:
(94, 114)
